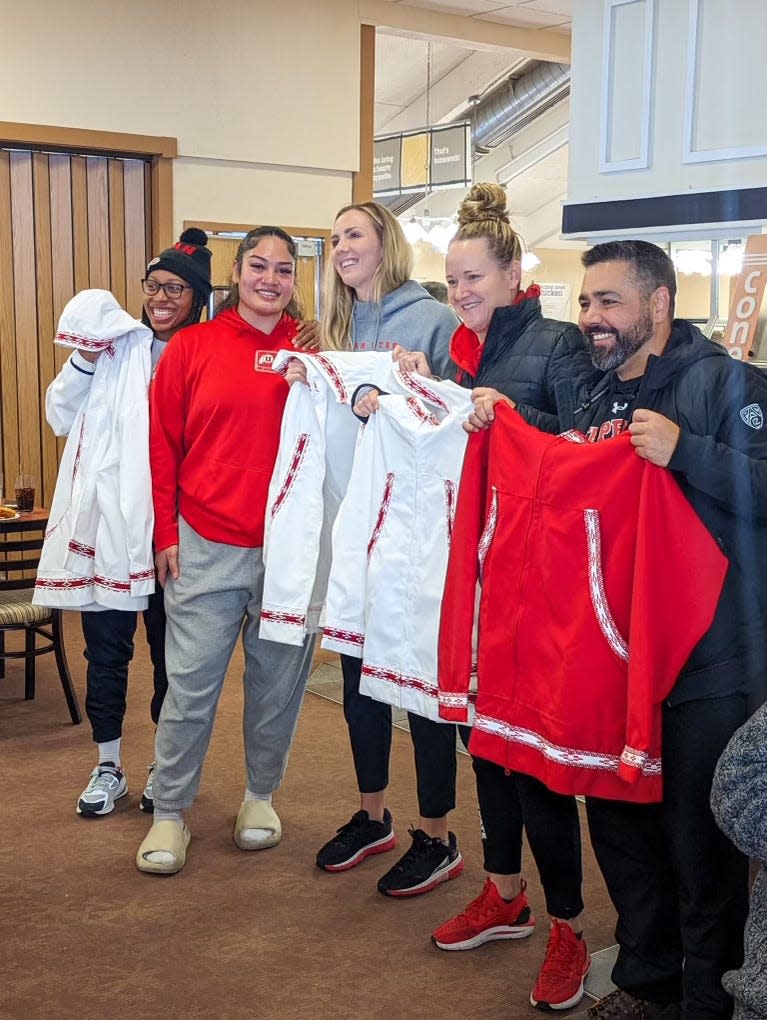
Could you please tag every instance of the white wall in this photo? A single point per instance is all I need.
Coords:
(724, 63)
(250, 93)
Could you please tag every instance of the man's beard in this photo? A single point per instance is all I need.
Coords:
(627, 342)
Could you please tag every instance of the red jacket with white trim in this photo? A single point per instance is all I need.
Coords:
(598, 579)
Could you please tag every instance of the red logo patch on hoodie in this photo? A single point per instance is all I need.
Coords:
(264, 361)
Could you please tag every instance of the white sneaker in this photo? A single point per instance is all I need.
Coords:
(147, 797)
(107, 784)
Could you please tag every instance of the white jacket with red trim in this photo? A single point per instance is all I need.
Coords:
(314, 461)
(97, 552)
(598, 579)
(391, 542)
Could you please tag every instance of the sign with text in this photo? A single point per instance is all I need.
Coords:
(555, 300)
(432, 158)
(746, 301)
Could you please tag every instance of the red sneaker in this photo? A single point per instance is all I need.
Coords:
(487, 917)
(566, 964)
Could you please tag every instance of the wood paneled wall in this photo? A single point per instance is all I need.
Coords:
(67, 222)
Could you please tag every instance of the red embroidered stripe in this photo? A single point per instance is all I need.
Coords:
(81, 549)
(351, 637)
(417, 385)
(63, 583)
(449, 508)
(143, 575)
(274, 616)
(393, 677)
(111, 583)
(86, 342)
(420, 412)
(295, 463)
(382, 512)
(334, 376)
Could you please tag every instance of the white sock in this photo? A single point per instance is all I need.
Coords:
(249, 795)
(164, 856)
(110, 751)
(168, 816)
(257, 834)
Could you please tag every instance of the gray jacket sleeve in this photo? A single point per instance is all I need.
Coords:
(739, 791)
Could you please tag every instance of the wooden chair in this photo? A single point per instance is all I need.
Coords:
(20, 544)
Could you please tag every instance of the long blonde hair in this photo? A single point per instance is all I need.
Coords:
(394, 269)
(483, 214)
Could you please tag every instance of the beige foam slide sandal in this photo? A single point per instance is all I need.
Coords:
(166, 837)
(257, 814)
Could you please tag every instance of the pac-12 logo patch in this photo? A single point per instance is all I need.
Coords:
(264, 361)
(752, 416)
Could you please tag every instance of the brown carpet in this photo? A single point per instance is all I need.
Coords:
(83, 934)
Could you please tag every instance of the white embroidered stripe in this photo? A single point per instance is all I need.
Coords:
(488, 532)
(453, 700)
(630, 756)
(597, 587)
(573, 436)
(571, 756)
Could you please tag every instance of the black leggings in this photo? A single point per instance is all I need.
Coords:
(369, 723)
(507, 800)
(109, 649)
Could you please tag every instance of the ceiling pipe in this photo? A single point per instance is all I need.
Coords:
(516, 103)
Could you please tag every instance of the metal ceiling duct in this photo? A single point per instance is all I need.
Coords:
(517, 102)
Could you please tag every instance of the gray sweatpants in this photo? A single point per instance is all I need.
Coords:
(219, 587)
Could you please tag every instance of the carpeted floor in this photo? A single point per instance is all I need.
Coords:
(85, 935)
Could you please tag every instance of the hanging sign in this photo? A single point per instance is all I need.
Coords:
(746, 302)
(432, 158)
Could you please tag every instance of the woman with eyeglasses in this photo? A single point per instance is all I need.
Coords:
(215, 426)
(177, 286)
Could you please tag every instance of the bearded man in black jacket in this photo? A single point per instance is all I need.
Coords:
(679, 886)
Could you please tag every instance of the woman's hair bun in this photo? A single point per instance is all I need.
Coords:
(484, 202)
(194, 235)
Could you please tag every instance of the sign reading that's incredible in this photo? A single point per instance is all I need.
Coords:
(432, 158)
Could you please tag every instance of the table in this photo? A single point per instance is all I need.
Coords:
(35, 521)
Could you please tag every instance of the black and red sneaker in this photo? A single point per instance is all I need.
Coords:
(361, 837)
(424, 866)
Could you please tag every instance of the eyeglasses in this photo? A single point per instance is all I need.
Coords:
(171, 290)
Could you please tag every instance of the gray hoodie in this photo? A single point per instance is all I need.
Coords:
(408, 316)
(739, 803)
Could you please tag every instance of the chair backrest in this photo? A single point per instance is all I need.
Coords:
(20, 553)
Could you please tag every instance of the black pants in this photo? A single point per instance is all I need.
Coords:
(369, 723)
(509, 800)
(679, 886)
(109, 650)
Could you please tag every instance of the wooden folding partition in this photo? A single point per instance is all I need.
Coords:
(68, 221)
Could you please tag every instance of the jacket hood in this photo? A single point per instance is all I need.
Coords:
(93, 320)
(685, 346)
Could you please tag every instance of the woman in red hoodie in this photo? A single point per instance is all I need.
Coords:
(216, 408)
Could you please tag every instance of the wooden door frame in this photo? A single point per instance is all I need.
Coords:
(158, 150)
(211, 227)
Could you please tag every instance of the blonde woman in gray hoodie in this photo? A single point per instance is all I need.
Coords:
(371, 304)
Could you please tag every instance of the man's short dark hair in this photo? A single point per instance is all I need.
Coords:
(437, 290)
(651, 266)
